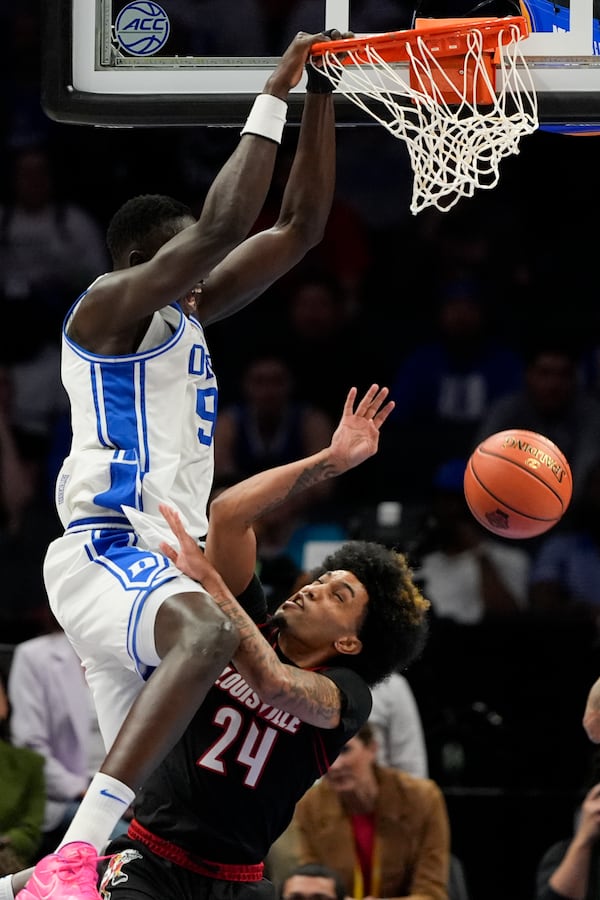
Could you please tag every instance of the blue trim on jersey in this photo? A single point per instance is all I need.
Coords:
(133, 357)
(120, 522)
(123, 402)
(102, 439)
(132, 633)
(125, 485)
(144, 421)
(134, 568)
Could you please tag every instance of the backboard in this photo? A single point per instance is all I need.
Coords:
(117, 64)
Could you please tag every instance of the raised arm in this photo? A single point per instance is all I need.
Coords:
(263, 258)
(231, 543)
(230, 209)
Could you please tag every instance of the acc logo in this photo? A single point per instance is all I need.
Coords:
(142, 28)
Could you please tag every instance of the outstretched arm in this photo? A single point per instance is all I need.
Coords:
(231, 543)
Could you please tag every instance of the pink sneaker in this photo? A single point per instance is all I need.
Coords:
(68, 874)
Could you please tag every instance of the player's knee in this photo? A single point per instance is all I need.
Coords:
(208, 630)
(195, 624)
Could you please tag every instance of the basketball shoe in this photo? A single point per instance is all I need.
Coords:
(68, 874)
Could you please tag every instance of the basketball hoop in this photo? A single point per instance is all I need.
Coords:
(465, 104)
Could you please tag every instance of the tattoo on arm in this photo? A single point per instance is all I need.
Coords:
(311, 697)
(311, 475)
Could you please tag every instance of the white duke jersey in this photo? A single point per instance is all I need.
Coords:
(142, 430)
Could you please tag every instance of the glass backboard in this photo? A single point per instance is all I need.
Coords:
(184, 62)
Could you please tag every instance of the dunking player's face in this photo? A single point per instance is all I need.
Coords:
(323, 619)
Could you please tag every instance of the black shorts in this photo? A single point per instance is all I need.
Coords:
(136, 873)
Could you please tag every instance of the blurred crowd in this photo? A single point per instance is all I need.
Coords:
(478, 319)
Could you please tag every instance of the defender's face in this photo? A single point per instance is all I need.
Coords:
(324, 612)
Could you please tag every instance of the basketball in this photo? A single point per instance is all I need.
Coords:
(517, 483)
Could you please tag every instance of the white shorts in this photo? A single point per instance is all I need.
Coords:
(106, 592)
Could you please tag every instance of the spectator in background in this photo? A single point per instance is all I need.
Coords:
(23, 120)
(444, 388)
(386, 832)
(18, 481)
(553, 402)
(50, 249)
(319, 327)
(53, 714)
(570, 868)
(344, 254)
(312, 882)
(27, 523)
(468, 574)
(565, 574)
(268, 427)
(591, 715)
(396, 723)
(22, 797)
(271, 427)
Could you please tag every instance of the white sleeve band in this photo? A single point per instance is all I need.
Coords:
(267, 118)
(6, 891)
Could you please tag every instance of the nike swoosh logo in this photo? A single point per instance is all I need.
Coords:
(106, 793)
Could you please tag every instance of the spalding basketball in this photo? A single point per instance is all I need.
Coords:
(517, 483)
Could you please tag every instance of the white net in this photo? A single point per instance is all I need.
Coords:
(455, 141)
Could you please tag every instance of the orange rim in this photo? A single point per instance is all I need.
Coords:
(443, 37)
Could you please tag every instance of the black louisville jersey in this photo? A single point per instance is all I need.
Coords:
(229, 787)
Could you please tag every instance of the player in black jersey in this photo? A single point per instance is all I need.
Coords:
(295, 692)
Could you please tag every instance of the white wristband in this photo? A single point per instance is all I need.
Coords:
(267, 118)
(6, 891)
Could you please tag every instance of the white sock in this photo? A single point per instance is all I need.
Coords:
(106, 801)
(6, 891)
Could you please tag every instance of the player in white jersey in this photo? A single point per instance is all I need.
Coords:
(143, 401)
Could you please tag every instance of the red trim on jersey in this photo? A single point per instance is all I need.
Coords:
(167, 850)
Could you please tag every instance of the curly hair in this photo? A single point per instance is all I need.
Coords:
(396, 626)
(145, 222)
